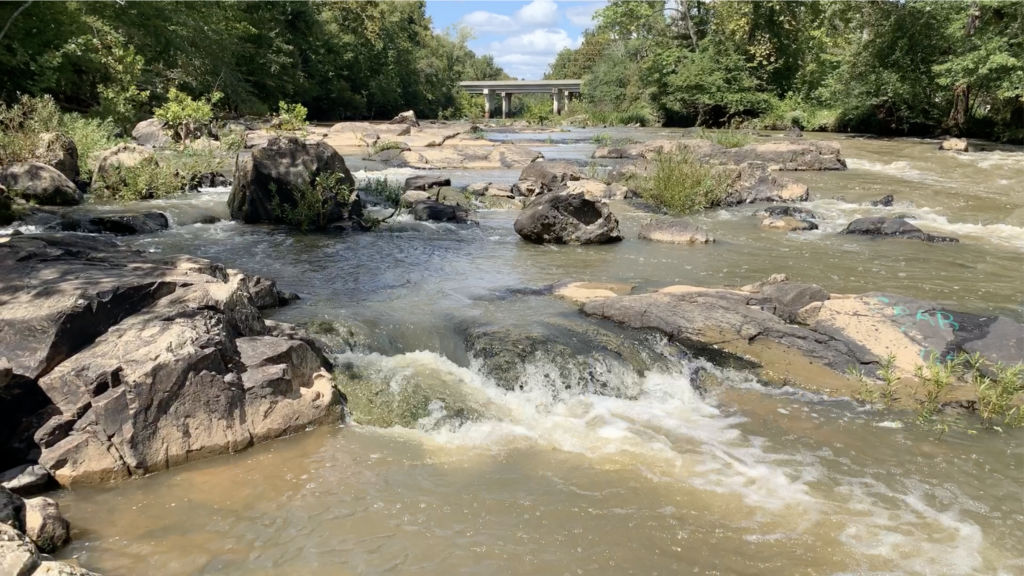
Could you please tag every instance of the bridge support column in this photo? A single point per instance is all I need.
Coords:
(556, 101)
(487, 102)
(506, 104)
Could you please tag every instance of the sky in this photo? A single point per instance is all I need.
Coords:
(523, 36)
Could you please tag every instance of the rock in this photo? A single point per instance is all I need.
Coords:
(24, 407)
(18, 557)
(786, 299)
(408, 118)
(7, 213)
(478, 156)
(891, 227)
(26, 479)
(567, 218)
(498, 192)
(789, 155)
(433, 211)
(413, 196)
(45, 525)
(274, 173)
(107, 177)
(208, 180)
(885, 201)
(784, 211)
(58, 151)
(52, 568)
(591, 189)
(580, 292)
(151, 134)
(116, 224)
(140, 356)
(391, 156)
(548, 175)
(954, 145)
(753, 182)
(426, 182)
(478, 188)
(696, 147)
(265, 294)
(500, 203)
(525, 189)
(674, 232)
(39, 184)
(794, 132)
(788, 224)
(12, 510)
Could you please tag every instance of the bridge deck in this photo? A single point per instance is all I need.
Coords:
(521, 86)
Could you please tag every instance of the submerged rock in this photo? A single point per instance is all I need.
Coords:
(567, 218)
(39, 184)
(116, 224)
(885, 201)
(788, 224)
(954, 145)
(434, 211)
(144, 358)
(271, 177)
(786, 211)
(883, 226)
(674, 232)
(426, 182)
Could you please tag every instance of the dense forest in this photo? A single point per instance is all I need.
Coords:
(341, 60)
(887, 67)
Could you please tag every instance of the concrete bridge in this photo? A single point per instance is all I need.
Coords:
(559, 90)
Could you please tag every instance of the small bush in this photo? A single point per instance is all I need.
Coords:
(314, 204)
(91, 135)
(382, 145)
(726, 138)
(22, 123)
(233, 143)
(185, 116)
(144, 181)
(681, 184)
(290, 117)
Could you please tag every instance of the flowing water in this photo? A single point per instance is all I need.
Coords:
(556, 475)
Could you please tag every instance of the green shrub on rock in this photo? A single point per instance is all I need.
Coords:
(290, 117)
(315, 205)
(681, 184)
(185, 116)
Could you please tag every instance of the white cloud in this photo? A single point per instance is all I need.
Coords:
(583, 15)
(538, 13)
(481, 21)
(528, 55)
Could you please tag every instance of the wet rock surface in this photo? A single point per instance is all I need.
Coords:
(800, 334)
(882, 226)
(433, 211)
(39, 184)
(567, 218)
(116, 224)
(142, 358)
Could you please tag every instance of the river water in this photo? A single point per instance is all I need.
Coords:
(642, 475)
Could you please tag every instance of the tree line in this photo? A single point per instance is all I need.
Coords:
(880, 66)
(341, 60)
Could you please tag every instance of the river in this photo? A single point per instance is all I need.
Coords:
(642, 476)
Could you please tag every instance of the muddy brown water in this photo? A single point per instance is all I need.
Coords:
(741, 480)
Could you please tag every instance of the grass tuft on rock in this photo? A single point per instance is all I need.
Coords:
(681, 184)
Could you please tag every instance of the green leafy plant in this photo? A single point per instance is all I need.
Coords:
(314, 205)
(144, 181)
(233, 142)
(382, 145)
(91, 136)
(185, 116)
(726, 138)
(681, 184)
(290, 117)
(21, 125)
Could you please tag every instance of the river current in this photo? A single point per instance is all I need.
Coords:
(551, 478)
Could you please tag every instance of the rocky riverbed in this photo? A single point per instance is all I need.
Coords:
(525, 301)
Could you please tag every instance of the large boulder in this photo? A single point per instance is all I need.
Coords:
(45, 525)
(426, 182)
(408, 118)
(12, 509)
(789, 155)
(59, 151)
(7, 213)
(272, 177)
(151, 134)
(883, 226)
(108, 177)
(567, 218)
(550, 175)
(752, 182)
(145, 359)
(26, 479)
(788, 224)
(116, 224)
(38, 183)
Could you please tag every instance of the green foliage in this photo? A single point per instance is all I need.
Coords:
(91, 136)
(314, 204)
(382, 145)
(681, 184)
(144, 181)
(290, 117)
(384, 190)
(726, 138)
(1000, 393)
(934, 379)
(233, 142)
(187, 117)
(22, 123)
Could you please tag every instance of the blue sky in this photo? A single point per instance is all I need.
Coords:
(523, 36)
